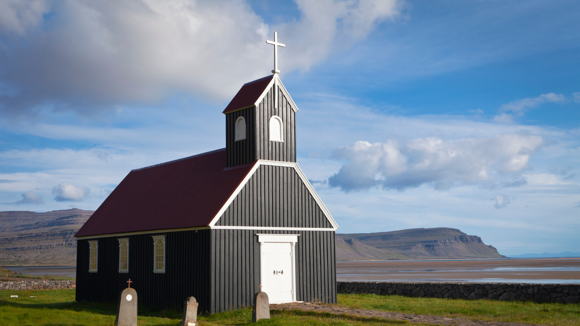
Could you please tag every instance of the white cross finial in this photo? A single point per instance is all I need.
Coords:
(276, 45)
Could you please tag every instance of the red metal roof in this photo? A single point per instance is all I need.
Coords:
(179, 194)
(248, 94)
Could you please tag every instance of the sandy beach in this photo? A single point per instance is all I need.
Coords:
(550, 270)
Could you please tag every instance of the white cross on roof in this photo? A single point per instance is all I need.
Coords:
(276, 45)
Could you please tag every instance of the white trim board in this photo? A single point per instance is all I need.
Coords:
(252, 172)
(268, 228)
(278, 237)
(277, 81)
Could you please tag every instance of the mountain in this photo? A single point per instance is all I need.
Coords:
(435, 243)
(566, 254)
(29, 238)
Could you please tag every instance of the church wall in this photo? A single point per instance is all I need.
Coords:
(242, 151)
(235, 256)
(187, 271)
(271, 150)
(275, 196)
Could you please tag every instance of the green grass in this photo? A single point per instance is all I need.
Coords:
(488, 310)
(57, 307)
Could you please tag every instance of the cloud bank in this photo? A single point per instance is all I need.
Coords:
(30, 197)
(86, 56)
(68, 192)
(435, 162)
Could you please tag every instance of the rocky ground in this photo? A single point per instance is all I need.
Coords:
(424, 319)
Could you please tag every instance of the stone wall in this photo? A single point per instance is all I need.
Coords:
(565, 293)
(37, 285)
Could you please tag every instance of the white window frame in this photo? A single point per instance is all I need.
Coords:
(95, 244)
(280, 238)
(155, 239)
(121, 241)
(275, 117)
(236, 136)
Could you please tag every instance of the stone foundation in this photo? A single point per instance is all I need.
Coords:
(564, 293)
(37, 285)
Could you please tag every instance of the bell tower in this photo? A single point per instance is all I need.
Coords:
(261, 120)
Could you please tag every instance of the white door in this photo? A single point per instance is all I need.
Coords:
(278, 271)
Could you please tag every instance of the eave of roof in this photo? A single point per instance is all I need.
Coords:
(185, 193)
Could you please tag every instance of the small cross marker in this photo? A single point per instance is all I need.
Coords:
(260, 287)
(276, 45)
(129, 282)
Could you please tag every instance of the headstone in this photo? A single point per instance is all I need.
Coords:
(261, 307)
(127, 314)
(190, 312)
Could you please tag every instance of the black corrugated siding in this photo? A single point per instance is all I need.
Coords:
(187, 271)
(271, 150)
(275, 196)
(236, 266)
(242, 151)
(257, 144)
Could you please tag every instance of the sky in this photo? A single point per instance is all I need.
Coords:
(413, 114)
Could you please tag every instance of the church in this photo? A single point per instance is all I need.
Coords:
(218, 225)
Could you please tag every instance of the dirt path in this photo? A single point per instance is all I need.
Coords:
(425, 319)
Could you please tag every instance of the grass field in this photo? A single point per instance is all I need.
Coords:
(57, 307)
(488, 310)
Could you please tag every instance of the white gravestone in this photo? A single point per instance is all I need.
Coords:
(261, 307)
(127, 314)
(190, 312)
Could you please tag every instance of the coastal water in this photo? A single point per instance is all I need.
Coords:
(543, 271)
(66, 271)
(524, 270)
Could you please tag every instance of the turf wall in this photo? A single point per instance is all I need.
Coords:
(564, 293)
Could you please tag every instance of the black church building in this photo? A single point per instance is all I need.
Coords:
(217, 225)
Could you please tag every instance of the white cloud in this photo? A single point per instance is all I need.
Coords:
(527, 103)
(68, 192)
(545, 179)
(501, 201)
(30, 197)
(576, 97)
(96, 54)
(442, 164)
(504, 118)
(19, 16)
(520, 106)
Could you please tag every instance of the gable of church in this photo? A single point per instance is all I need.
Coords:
(275, 196)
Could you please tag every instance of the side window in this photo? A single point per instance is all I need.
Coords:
(240, 128)
(123, 255)
(159, 254)
(276, 129)
(93, 256)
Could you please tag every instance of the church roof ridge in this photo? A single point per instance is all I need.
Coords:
(179, 159)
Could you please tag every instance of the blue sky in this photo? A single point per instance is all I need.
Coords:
(462, 114)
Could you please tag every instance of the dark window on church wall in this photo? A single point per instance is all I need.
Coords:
(159, 254)
(93, 256)
(276, 129)
(123, 255)
(240, 129)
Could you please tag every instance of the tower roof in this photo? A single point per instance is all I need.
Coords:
(252, 93)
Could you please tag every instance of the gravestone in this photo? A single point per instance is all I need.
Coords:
(190, 312)
(127, 314)
(261, 307)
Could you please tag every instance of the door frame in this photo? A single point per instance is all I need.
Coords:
(280, 238)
